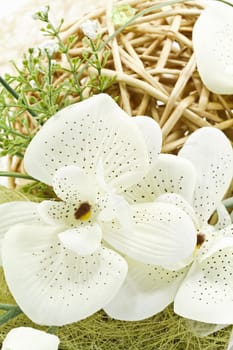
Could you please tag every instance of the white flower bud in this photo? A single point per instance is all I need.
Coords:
(90, 29)
(33, 84)
(49, 47)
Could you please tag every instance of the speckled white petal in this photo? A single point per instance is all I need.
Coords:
(64, 287)
(152, 135)
(58, 213)
(213, 47)
(147, 290)
(224, 218)
(215, 242)
(206, 293)
(115, 207)
(180, 202)
(27, 338)
(72, 185)
(85, 133)
(82, 240)
(202, 329)
(13, 213)
(171, 174)
(211, 154)
(162, 235)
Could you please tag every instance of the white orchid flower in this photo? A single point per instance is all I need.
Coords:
(26, 338)
(212, 42)
(92, 154)
(201, 291)
(54, 261)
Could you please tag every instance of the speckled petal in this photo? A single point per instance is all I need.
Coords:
(215, 242)
(115, 207)
(224, 218)
(213, 47)
(162, 235)
(64, 287)
(211, 154)
(13, 213)
(83, 240)
(171, 174)
(147, 290)
(83, 134)
(206, 293)
(26, 338)
(152, 135)
(58, 213)
(202, 329)
(180, 202)
(72, 185)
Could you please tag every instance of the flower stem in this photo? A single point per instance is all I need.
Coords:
(16, 175)
(129, 22)
(12, 312)
(9, 88)
(52, 330)
(7, 307)
(225, 2)
(228, 203)
(15, 95)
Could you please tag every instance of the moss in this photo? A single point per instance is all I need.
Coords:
(165, 331)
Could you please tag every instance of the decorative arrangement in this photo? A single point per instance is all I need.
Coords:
(116, 231)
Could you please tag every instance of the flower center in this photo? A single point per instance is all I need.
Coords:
(200, 239)
(83, 212)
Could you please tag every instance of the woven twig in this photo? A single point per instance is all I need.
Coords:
(156, 74)
(155, 71)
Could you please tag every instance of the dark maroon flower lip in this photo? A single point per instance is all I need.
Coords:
(200, 239)
(82, 210)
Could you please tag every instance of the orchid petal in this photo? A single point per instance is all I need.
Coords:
(212, 41)
(58, 213)
(82, 240)
(162, 235)
(116, 207)
(147, 290)
(211, 154)
(64, 287)
(215, 242)
(152, 135)
(206, 293)
(180, 202)
(224, 218)
(84, 133)
(72, 185)
(202, 329)
(230, 344)
(13, 213)
(171, 174)
(25, 338)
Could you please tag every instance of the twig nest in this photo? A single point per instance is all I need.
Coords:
(155, 69)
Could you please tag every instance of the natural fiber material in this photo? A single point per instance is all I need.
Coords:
(155, 71)
(165, 331)
(155, 74)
